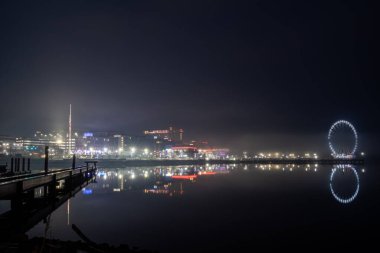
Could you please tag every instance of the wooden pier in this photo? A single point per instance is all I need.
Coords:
(15, 186)
(36, 195)
(16, 222)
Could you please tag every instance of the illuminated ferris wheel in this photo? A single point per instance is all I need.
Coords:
(343, 139)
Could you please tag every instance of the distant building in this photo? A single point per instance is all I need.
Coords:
(8, 145)
(100, 145)
(179, 152)
(170, 135)
(214, 153)
(34, 146)
(118, 141)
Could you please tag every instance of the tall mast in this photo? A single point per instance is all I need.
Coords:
(70, 131)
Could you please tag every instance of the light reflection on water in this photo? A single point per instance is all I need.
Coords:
(163, 207)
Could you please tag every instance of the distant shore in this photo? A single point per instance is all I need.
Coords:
(243, 161)
(178, 162)
(37, 164)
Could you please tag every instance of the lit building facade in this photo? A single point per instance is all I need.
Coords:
(170, 135)
(35, 145)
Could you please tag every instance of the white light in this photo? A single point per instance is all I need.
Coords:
(133, 150)
(146, 151)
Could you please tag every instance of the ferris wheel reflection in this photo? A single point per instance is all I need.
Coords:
(339, 170)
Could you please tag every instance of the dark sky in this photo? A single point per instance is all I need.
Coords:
(223, 70)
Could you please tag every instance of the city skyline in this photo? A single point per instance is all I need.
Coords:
(315, 143)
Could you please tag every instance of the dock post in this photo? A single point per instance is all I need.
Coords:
(29, 164)
(23, 164)
(46, 167)
(12, 162)
(73, 165)
(17, 164)
(46, 159)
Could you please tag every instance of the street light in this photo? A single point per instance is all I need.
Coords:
(133, 150)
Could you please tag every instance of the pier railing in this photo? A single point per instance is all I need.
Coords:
(14, 185)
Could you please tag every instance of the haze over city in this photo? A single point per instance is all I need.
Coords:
(250, 75)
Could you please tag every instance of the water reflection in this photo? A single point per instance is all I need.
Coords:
(345, 172)
(144, 206)
(168, 180)
(288, 167)
(172, 180)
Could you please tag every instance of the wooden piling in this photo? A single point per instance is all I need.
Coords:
(12, 163)
(46, 159)
(46, 168)
(17, 167)
(74, 160)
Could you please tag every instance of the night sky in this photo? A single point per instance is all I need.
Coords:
(257, 75)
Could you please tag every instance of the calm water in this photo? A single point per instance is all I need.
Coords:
(229, 207)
